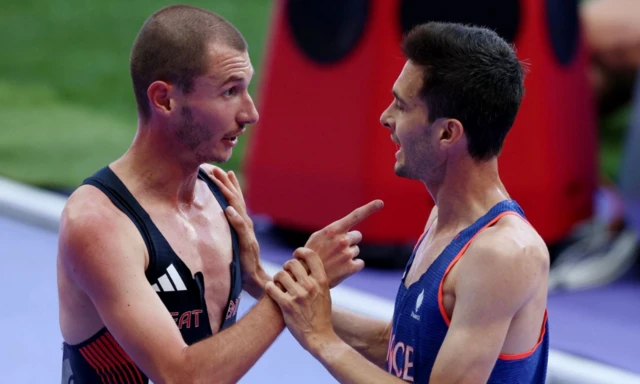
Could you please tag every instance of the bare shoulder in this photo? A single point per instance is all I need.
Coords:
(511, 240)
(91, 228)
(510, 255)
(88, 212)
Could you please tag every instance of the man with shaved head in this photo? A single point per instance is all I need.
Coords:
(150, 270)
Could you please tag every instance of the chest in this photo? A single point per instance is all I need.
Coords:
(425, 278)
(428, 251)
(201, 239)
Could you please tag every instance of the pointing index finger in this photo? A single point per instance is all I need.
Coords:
(358, 215)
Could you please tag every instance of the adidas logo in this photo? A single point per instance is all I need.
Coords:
(170, 281)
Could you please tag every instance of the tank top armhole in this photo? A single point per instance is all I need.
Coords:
(524, 355)
(443, 312)
(114, 193)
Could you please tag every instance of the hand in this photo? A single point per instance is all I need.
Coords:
(253, 276)
(338, 248)
(304, 299)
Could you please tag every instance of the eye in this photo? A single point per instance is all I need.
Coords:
(398, 105)
(230, 92)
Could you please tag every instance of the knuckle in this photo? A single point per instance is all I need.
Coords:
(296, 264)
(300, 298)
(343, 242)
(308, 286)
(329, 231)
(280, 275)
(300, 252)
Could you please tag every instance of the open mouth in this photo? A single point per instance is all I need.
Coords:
(233, 139)
(396, 142)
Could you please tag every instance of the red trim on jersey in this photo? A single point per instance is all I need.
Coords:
(101, 362)
(116, 355)
(112, 364)
(443, 312)
(93, 365)
(118, 362)
(97, 364)
(124, 355)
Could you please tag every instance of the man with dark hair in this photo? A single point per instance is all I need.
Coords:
(149, 270)
(471, 306)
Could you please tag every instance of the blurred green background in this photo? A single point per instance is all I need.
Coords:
(66, 104)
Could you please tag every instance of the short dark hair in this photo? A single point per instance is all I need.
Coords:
(171, 46)
(470, 74)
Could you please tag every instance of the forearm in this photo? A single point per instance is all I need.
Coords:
(349, 367)
(227, 356)
(254, 284)
(369, 337)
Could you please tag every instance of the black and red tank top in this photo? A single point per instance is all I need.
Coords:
(100, 359)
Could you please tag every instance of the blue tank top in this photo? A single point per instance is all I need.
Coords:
(420, 322)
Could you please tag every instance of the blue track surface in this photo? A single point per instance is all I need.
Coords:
(602, 324)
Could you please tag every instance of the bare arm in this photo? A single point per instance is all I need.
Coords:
(108, 264)
(369, 337)
(498, 281)
(348, 366)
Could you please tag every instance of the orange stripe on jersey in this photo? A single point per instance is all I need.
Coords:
(458, 256)
(519, 356)
(443, 312)
(124, 355)
(92, 363)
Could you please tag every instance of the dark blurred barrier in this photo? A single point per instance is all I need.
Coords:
(319, 150)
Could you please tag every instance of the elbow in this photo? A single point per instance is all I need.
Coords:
(175, 376)
(179, 371)
(190, 368)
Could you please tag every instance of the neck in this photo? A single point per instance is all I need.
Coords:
(157, 167)
(467, 191)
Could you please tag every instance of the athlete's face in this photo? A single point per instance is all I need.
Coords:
(408, 119)
(218, 108)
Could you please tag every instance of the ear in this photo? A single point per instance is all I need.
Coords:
(451, 131)
(160, 97)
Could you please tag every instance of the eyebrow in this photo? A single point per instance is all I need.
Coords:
(395, 94)
(233, 79)
(236, 78)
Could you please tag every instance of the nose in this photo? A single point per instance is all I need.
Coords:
(386, 119)
(249, 113)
